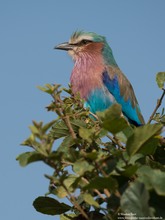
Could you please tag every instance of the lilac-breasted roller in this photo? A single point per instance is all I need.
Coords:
(97, 77)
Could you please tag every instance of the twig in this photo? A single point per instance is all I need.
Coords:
(159, 102)
(95, 116)
(115, 141)
(65, 117)
(95, 190)
(70, 197)
(74, 202)
(106, 191)
(68, 124)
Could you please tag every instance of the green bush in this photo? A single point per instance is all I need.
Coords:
(105, 167)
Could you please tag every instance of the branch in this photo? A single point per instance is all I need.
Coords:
(95, 190)
(70, 197)
(115, 141)
(64, 116)
(95, 116)
(159, 102)
(68, 124)
(74, 202)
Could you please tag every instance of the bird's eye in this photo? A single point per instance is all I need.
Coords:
(83, 42)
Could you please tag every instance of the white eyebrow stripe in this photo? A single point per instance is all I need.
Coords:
(80, 38)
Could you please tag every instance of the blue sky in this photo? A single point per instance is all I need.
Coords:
(29, 30)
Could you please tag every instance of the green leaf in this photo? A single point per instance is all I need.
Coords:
(81, 166)
(130, 170)
(86, 134)
(44, 89)
(59, 129)
(92, 155)
(134, 158)
(29, 141)
(70, 154)
(123, 135)
(160, 79)
(48, 126)
(67, 142)
(50, 206)
(78, 123)
(49, 88)
(29, 157)
(112, 119)
(102, 183)
(144, 139)
(60, 191)
(34, 129)
(68, 182)
(90, 200)
(162, 120)
(135, 200)
(153, 179)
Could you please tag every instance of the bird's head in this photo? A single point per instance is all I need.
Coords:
(86, 45)
(82, 43)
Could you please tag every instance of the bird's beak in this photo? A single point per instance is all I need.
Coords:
(64, 46)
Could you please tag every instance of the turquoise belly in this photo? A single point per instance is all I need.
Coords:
(99, 100)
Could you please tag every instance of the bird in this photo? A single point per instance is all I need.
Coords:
(97, 78)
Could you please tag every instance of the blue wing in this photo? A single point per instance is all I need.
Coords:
(119, 86)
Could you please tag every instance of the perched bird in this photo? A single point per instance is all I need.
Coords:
(97, 77)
